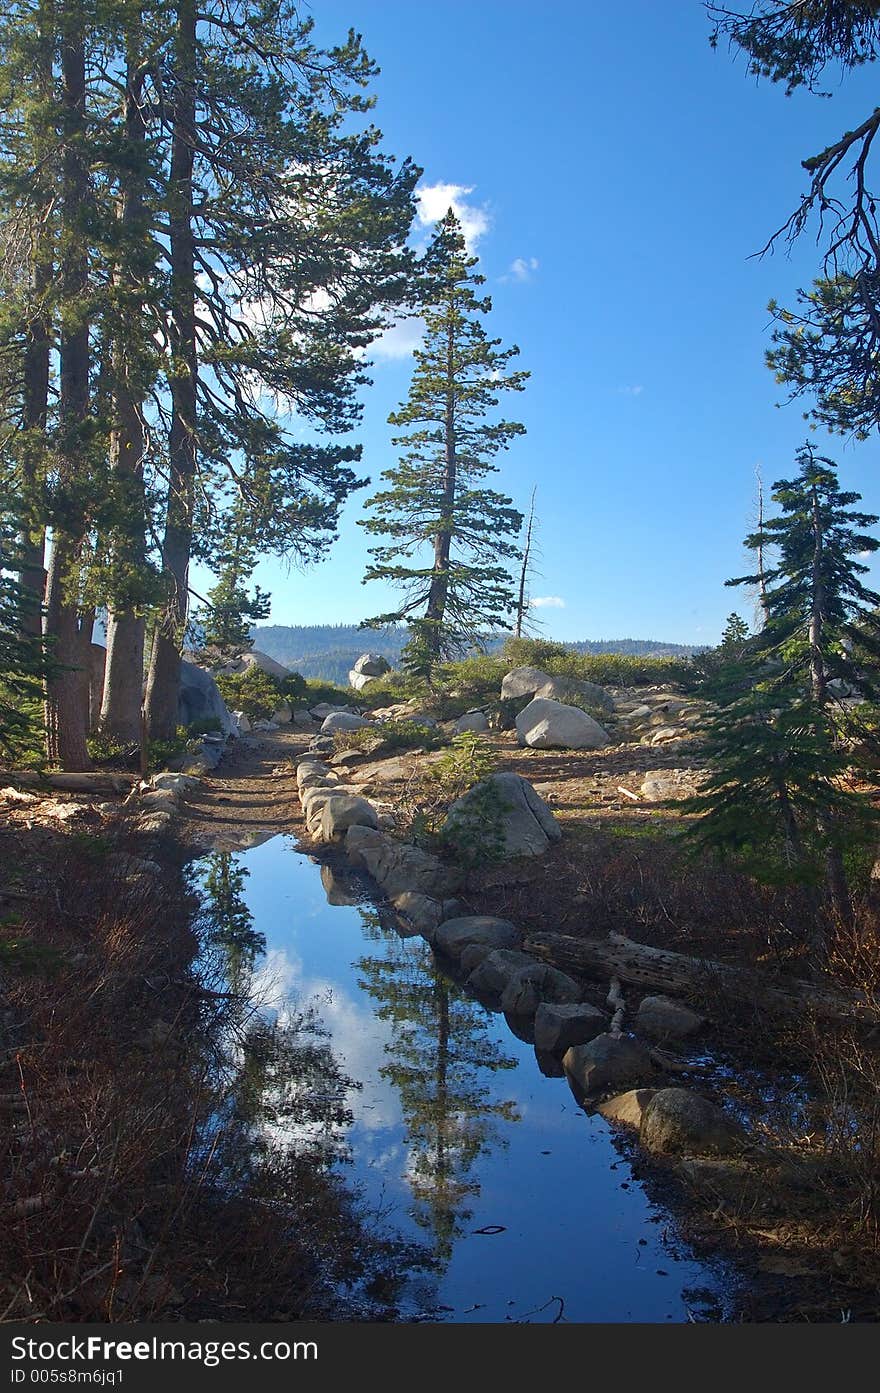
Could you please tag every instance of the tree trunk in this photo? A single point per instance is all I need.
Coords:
(439, 591)
(121, 715)
(697, 978)
(163, 683)
(67, 712)
(36, 378)
(521, 605)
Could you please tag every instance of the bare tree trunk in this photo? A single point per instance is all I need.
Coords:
(121, 714)
(521, 599)
(67, 712)
(163, 683)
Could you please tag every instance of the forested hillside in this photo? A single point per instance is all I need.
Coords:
(328, 651)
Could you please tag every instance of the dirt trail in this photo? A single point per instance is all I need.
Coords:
(249, 797)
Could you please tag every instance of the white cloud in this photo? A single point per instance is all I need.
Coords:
(522, 269)
(635, 391)
(399, 340)
(435, 200)
(547, 602)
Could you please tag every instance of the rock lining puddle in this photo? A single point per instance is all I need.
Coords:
(458, 1141)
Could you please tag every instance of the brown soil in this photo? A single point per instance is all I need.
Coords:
(252, 791)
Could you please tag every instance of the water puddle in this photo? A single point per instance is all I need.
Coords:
(527, 1208)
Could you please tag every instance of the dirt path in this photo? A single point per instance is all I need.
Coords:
(249, 797)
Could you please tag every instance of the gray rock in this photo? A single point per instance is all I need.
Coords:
(399, 867)
(527, 825)
(568, 689)
(344, 810)
(539, 982)
(524, 681)
(494, 968)
(303, 718)
(660, 1019)
(283, 714)
(372, 665)
(177, 783)
(607, 1061)
(658, 785)
(342, 720)
(627, 1109)
(476, 721)
(678, 1120)
(254, 658)
(454, 936)
(161, 799)
(559, 1025)
(325, 709)
(242, 722)
(200, 700)
(359, 680)
(545, 725)
(422, 912)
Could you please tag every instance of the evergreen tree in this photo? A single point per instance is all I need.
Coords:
(436, 501)
(825, 349)
(817, 606)
(775, 794)
(294, 224)
(22, 656)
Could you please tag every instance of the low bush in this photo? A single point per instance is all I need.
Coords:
(253, 692)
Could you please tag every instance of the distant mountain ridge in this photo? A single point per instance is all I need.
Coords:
(329, 651)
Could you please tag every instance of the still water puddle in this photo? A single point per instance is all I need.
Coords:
(456, 1139)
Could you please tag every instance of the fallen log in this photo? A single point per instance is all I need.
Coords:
(680, 975)
(69, 783)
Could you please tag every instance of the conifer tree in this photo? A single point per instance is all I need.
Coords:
(436, 502)
(775, 794)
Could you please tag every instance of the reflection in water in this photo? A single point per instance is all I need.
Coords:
(456, 1138)
(226, 918)
(281, 1081)
(438, 1057)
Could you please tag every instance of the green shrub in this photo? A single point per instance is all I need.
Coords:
(605, 669)
(476, 837)
(253, 692)
(470, 758)
(294, 688)
(390, 736)
(317, 691)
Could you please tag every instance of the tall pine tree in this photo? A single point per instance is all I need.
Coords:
(436, 502)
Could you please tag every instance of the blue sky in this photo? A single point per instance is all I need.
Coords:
(619, 176)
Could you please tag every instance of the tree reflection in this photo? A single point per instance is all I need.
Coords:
(278, 1082)
(227, 921)
(438, 1060)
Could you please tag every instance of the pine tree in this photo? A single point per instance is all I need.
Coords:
(22, 655)
(294, 224)
(436, 501)
(816, 604)
(775, 794)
